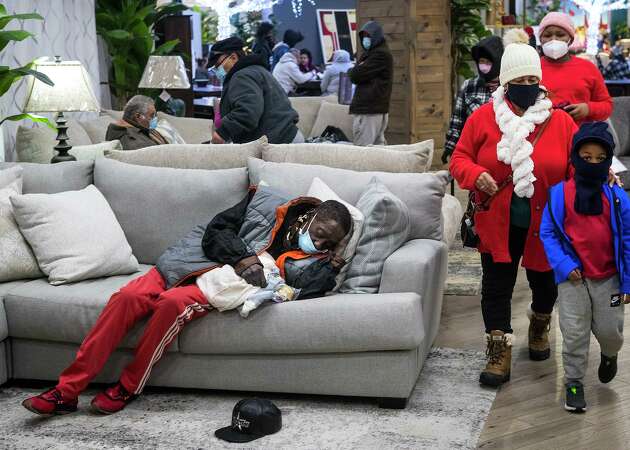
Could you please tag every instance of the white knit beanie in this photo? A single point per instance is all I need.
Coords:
(519, 58)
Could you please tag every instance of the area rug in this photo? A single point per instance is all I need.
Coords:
(464, 270)
(447, 410)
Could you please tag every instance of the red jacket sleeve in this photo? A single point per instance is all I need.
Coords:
(601, 104)
(571, 130)
(464, 167)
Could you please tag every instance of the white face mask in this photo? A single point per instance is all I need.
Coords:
(555, 49)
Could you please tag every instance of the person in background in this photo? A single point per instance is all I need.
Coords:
(574, 84)
(137, 128)
(532, 37)
(340, 64)
(306, 61)
(586, 233)
(373, 76)
(475, 91)
(511, 151)
(253, 104)
(290, 40)
(617, 68)
(288, 73)
(201, 72)
(264, 42)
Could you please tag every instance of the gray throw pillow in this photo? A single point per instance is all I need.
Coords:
(17, 261)
(192, 156)
(410, 159)
(53, 178)
(36, 144)
(385, 229)
(74, 235)
(97, 129)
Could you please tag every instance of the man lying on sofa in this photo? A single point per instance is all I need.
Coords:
(303, 235)
(137, 129)
(253, 104)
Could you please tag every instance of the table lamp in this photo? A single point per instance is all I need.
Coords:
(72, 92)
(166, 72)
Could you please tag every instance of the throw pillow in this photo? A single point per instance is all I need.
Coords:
(97, 129)
(385, 230)
(74, 235)
(321, 191)
(423, 149)
(18, 261)
(36, 144)
(333, 114)
(91, 152)
(192, 156)
(192, 129)
(169, 132)
(351, 157)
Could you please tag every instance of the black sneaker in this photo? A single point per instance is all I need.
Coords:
(575, 397)
(607, 368)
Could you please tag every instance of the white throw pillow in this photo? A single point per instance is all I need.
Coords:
(74, 235)
(321, 191)
(169, 132)
(385, 230)
(91, 152)
(17, 261)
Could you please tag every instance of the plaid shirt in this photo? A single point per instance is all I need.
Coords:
(473, 94)
(617, 69)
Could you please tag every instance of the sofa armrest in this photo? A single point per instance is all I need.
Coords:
(419, 266)
(452, 213)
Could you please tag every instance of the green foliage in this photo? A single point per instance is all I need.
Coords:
(467, 29)
(9, 76)
(621, 31)
(538, 10)
(128, 29)
(246, 25)
(209, 25)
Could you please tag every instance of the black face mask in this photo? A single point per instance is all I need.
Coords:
(523, 95)
(588, 182)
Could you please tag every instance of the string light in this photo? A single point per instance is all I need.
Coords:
(227, 8)
(594, 10)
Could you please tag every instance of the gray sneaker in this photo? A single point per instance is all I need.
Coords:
(575, 397)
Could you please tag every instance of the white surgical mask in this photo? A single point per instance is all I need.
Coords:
(555, 49)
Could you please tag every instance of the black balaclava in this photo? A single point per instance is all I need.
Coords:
(590, 177)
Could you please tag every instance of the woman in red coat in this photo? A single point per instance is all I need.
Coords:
(574, 84)
(497, 142)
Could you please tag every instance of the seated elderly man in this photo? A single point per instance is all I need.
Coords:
(137, 129)
(303, 236)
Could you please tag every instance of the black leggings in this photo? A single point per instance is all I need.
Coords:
(497, 286)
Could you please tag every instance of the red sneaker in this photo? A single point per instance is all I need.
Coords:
(50, 403)
(112, 399)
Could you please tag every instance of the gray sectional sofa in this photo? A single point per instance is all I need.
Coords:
(368, 345)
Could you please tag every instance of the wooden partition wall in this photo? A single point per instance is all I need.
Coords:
(418, 34)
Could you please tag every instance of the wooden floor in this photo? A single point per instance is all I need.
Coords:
(528, 412)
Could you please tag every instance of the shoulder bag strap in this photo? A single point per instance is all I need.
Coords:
(508, 180)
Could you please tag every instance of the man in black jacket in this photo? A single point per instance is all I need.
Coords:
(373, 76)
(253, 104)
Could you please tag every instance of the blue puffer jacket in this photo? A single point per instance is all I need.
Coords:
(560, 252)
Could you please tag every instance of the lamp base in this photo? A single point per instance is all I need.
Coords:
(173, 106)
(62, 146)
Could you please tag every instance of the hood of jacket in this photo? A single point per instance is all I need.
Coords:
(246, 61)
(341, 56)
(375, 31)
(288, 58)
(490, 48)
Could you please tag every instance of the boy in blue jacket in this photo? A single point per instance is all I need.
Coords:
(586, 233)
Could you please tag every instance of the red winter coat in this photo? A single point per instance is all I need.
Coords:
(476, 152)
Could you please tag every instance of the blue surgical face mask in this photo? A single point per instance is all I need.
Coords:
(220, 73)
(366, 42)
(305, 242)
(153, 123)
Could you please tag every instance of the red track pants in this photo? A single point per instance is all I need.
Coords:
(147, 294)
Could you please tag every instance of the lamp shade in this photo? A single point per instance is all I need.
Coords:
(72, 90)
(165, 72)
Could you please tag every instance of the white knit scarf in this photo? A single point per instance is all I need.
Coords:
(514, 148)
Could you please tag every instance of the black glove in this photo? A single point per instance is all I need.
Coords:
(445, 157)
(254, 275)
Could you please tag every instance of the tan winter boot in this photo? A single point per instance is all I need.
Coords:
(499, 354)
(539, 326)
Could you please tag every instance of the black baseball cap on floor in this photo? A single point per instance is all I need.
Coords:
(252, 418)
